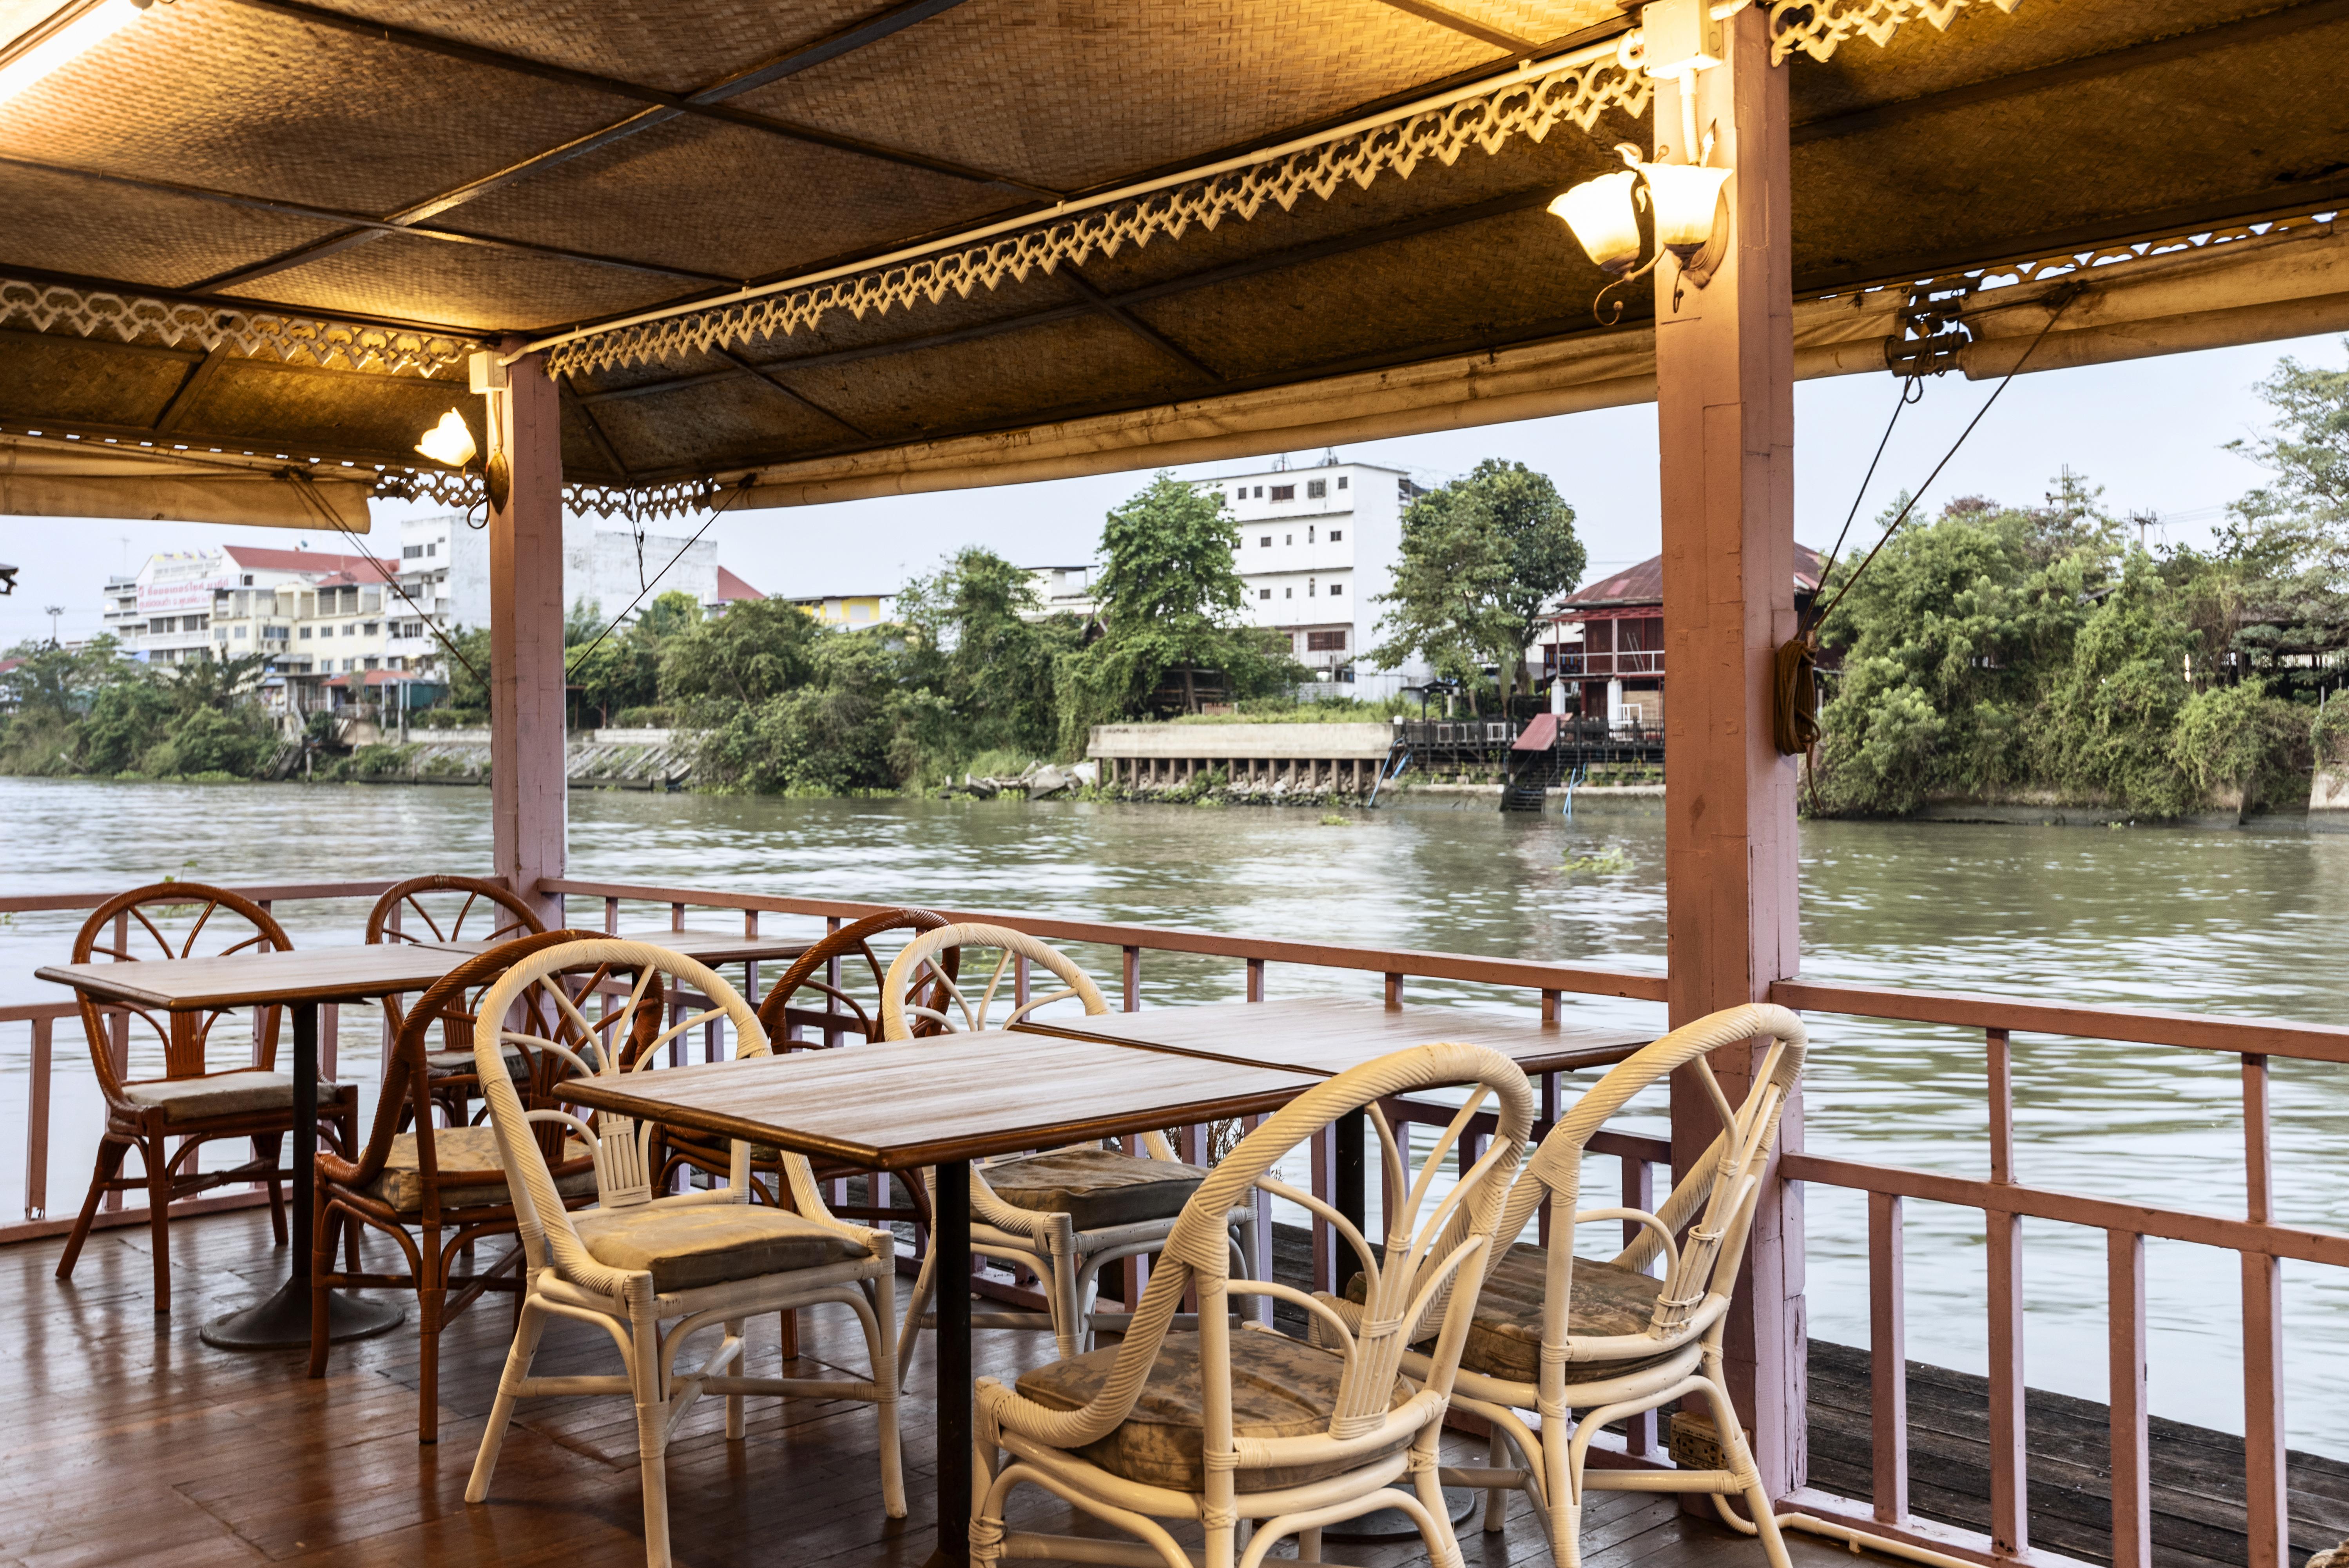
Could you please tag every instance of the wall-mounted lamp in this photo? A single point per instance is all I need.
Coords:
(65, 35)
(1692, 216)
(451, 444)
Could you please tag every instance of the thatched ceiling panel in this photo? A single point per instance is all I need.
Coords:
(1068, 364)
(296, 409)
(721, 198)
(70, 378)
(1538, 21)
(239, 99)
(680, 47)
(59, 222)
(1072, 95)
(741, 417)
(471, 286)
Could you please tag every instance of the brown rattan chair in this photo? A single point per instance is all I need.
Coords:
(438, 1191)
(189, 1102)
(789, 1009)
(469, 910)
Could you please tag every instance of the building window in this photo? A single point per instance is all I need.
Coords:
(1341, 482)
(248, 579)
(411, 553)
(351, 628)
(1265, 541)
(1264, 593)
(367, 663)
(369, 628)
(1289, 539)
(1260, 492)
(1316, 489)
(1336, 588)
(434, 548)
(305, 634)
(1288, 593)
(238, 634)
(1284, 492)
(1325, 642)
(1308, 588)
(1337, 535)
(1308, 533)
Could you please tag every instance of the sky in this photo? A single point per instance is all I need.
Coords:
(2153, 433)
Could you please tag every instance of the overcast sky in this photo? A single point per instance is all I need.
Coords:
(2153, 433)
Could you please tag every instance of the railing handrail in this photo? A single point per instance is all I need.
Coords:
(2137, 1026)
(260, 893)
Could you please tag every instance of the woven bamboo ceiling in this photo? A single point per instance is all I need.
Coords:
(272, 227)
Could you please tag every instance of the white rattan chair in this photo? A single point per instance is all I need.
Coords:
(691, 1261)
(1063, 1213)
(1569, 1336)
(1254, 1428)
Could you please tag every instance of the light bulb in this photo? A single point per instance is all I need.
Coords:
(92, 26)
(449, 442)
(1600, 212)
(1686, 196)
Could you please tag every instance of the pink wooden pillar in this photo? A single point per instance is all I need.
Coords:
(1724, 380)
(526, 680)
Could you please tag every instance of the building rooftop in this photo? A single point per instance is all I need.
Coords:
(1644, 585)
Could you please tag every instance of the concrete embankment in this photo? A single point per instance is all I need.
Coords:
(593, 760)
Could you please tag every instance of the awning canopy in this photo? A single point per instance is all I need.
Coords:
(854, 248)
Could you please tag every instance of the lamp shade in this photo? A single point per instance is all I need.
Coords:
(1686, 195)
(449, 442)
(1600, 212)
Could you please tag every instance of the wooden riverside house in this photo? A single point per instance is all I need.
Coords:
(681, 257)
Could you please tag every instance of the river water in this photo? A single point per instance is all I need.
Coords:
(2253, 922)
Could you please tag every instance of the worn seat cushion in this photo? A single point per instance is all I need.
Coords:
(464, 1063)
(248, 1092)
(470, 1173)
(1281, 1387)
(1096, 1187)
(1504, 1336)
(688, 1246)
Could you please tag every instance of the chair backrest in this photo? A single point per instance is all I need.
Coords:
(1725, 1185)
(1429, 1275)
(447, 909)
(811, 971)
(620, 1147)
(919, 968)
(173, 920)
(452, 1006)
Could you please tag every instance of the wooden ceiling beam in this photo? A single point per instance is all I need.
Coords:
(766, 378)
(1509, 43)
(1117, 311)
(569, 389)
(191, 386)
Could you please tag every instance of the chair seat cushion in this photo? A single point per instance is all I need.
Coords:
(1504, 1336)
(464, 1063)
(470, 1173)
(1096, 1187)
(685, 1246)
(248, 1092)
(1281, 1387)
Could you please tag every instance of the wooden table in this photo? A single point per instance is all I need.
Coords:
(1327, 1038)
(298, 980)
(900, 1104)
(710, 947)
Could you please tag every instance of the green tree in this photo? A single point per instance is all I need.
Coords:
(843, 728)
(975, 647)
(1482, 558)
(758, 649)
(1173, 612)
(126, 719)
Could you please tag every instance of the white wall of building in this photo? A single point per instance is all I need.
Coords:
(1318, 545)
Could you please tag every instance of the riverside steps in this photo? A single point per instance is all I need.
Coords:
(1270, 759)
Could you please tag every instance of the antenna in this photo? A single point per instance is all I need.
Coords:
(53, 612)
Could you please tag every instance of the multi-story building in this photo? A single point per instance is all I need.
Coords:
(1064, 591)
(166, 612)
(1318, 545)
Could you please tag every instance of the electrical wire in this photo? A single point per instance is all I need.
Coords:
(741, 488)
(1912, 390)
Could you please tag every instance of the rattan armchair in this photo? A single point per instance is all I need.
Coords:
(653, 1271)
(438, 1191)
(1586, 1343)
(1062, 1213)
(445, 909)
(1254, 1428)
(189, 1104)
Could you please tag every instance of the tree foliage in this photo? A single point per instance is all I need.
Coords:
(979, 646)
(1482, 558)
(90, 711)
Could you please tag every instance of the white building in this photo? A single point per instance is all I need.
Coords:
(1064, 591)
(171, 612)
(1318, 545)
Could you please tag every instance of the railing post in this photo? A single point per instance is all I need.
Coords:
(1395, 989)
(1256, 979)
(612, 916)
(37, 1129)
(2132, 1465)
(2267, 1511)
(1888, 1341)
(1133, 979)
(2010, 1482)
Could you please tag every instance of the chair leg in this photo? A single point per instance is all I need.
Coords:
(1308, 1542)
(734, 1429)
(886, 1381)
(1742, 1466)
(111, 1152)
(532, 1321)
(652, 1432)
(431, 1302)
(915, 1306)
(159, 1217)
(1071, 1327)
(322, 1269)
(266, 1146)
(1496, 1500)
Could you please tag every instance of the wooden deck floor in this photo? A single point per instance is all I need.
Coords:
(125, 1442)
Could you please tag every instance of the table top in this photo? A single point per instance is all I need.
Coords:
(1330, 1037)
(898, 1105)
(350, 974)
(711, 947)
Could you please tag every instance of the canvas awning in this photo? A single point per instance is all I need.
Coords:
(59, 478)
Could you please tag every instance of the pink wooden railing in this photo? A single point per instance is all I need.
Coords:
(2258, 1240)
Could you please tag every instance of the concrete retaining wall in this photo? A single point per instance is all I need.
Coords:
(1321, 758)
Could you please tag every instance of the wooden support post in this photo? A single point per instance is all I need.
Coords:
(526, 675)
(2266, 1506)
(2132, 1466)
(1726, 416)
(1887, 1342)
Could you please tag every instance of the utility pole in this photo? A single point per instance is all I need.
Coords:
(53, 612)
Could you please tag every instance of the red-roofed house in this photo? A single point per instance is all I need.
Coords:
(732, 588)
(1607, 642)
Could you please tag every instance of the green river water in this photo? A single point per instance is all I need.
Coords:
(2254, 922)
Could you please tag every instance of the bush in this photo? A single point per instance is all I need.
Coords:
(382, 761)
(645, 718)
(2239, 737)
(448, 718)
(209, 741)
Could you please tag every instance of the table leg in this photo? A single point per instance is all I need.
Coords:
(953, 1301)
(1353, 1131)
(282, 1320)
